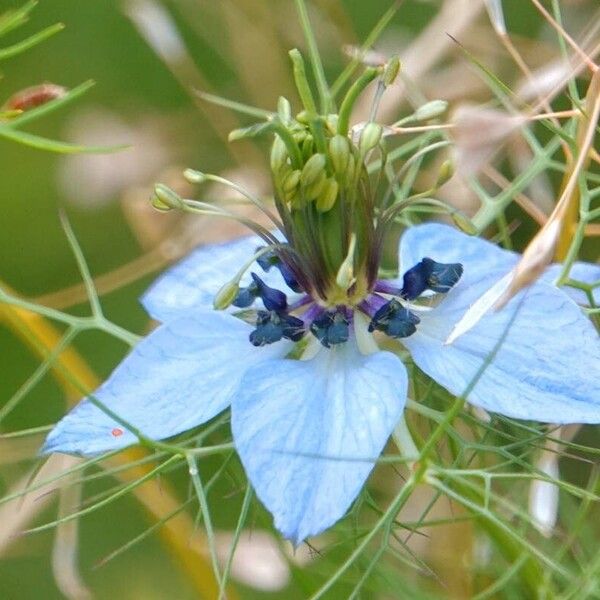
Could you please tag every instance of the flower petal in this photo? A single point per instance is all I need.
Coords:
(308, 432)
(194, 281)
(181, 375)
(544, 354)
(480, 257)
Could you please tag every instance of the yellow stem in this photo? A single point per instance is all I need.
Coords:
(569, 203)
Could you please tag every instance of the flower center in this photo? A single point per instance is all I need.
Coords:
(391, 309)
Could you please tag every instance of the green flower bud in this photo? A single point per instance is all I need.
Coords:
(331, 122)
(279, 154)
(370, 137)
(302, 117)
(345, 275)
(313, 190)
(350, 170)
(328, 195)
(158, 205)
(291, 181)
(194, 176)
(313, 168)
(250, 132)
(463, 222)
(284, 109)
(226, 295)
(300, 136)
(339, 150)
(307, 147)
(165, 198)
(430, 110)
(391, 71)
(445, 173)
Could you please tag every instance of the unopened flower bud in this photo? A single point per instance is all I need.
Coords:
(463, 222)
(339, 150)
(291, 181)
(328, 195)
(302, 117)
(391, 71)
(307, 147)
(194, 176)
(251, 131)
(312, 169)
(445, 173)
(279, 154)
(430, 110)
(331, 122)
(165, 198)
(226, 295)
(314, 189)
(345, 275)
(350, 169)
(284, 109)
(370, 137)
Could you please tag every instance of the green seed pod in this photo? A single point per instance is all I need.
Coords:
(226, 295)
(326, 199)
(339, 150)
(313, 169)
(370, 137)
(391, 71)
(279, 155)
(165, 198)
(430, 110)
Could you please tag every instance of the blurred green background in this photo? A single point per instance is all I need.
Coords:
(236, 49)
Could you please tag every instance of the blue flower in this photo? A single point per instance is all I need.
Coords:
(309, 431)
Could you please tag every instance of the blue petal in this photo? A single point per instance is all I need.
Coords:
(181, 375)
(308, 432)
(480, 257)
(194, 281)
(547, 367)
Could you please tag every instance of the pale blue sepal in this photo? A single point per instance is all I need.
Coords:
(547, 368)
(180, 376)
(479, 257)
(194, 281)
(309, 432)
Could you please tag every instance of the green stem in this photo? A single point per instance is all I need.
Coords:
(350, 99)
(315, 57)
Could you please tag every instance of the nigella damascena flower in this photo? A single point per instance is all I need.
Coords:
(293, 351)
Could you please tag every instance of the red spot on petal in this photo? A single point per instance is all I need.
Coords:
(117, 432)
